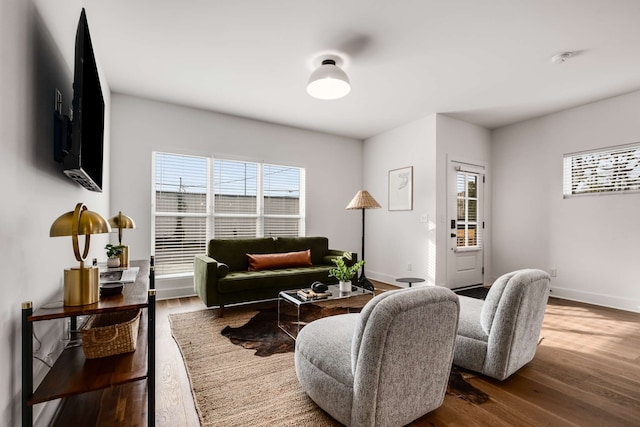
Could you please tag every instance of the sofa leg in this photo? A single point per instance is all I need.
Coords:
(221, 310)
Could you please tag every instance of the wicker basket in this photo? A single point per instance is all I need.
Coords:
(110, 333)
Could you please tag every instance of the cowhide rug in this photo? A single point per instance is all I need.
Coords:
(262, 334)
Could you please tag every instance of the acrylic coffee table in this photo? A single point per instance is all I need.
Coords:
(293, 306)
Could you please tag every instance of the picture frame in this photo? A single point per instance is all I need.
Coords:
(401, 189)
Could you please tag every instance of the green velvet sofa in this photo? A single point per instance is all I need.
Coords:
(222, 276)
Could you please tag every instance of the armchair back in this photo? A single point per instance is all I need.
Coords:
(403, 346)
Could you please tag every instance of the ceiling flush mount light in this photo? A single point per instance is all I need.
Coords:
(561, 57)
(328, 81)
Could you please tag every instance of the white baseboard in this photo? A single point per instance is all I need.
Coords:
(174, 293)
(384, 278)
(619, 303)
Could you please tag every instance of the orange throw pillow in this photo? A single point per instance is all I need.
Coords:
(259, 262)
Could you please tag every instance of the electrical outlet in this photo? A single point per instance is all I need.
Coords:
(409, 267)
(553, 272)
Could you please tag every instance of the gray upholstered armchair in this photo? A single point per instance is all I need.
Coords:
(386, 366)
(499, 335)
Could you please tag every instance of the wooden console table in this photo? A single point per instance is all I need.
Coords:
(92, 390)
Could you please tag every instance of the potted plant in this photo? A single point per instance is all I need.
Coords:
(113, 254)
(345, 273)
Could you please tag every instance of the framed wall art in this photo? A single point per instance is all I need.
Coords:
(401, 189)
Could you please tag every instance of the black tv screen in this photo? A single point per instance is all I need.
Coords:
(83, 161)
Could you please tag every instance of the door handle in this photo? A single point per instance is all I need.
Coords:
(453, 234)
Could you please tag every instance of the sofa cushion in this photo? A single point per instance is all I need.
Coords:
(284, 278)
(233, 252)
(319, 246)
(259, 262)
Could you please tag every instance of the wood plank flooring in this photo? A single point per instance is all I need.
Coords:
(586, 373)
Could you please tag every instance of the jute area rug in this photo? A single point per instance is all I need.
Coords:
(241, 369)
(234, 387)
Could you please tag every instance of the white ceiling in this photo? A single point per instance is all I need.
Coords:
(483, 61)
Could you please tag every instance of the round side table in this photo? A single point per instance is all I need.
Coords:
(409, 280)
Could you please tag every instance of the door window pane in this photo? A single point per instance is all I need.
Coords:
(472, 213)
(467, 230)
(461, 209)
(472, 184)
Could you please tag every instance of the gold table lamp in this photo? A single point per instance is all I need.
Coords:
(121, 221)
(81, 284)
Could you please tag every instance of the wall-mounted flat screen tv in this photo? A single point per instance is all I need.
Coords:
(82, 156)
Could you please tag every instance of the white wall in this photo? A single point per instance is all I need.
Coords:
(140, 126)
(463, 142)
(395, 239)
(592, 241)
(37, 45)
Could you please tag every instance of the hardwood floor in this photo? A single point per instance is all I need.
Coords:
(586, 373)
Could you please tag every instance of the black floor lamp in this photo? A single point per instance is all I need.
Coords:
(363, 200)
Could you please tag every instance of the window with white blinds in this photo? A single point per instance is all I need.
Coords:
(611, 170)
(199, 198)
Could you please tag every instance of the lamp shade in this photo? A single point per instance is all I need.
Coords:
(328, 81)
(80, 221)
(86, 222)
(363, 200)
(121, 221)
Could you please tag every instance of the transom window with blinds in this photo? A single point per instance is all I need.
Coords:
(611, 170)
(199, 198)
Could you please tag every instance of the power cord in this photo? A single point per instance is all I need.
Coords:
(35, 356)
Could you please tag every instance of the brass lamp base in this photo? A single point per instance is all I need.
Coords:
(81, 286)
(124, 256)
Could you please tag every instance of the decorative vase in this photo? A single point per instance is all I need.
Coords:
(113, 262)
(345, 286)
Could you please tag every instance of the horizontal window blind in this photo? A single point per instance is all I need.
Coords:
(280, 227)
(235, 199)
(281, 190)
(180, 211)
(609, 170)
(198, 198)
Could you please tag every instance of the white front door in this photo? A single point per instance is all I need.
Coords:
(465, 257)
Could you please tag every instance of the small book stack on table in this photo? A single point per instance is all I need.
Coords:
(308, 294)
